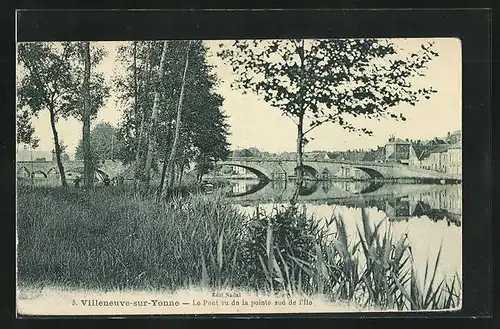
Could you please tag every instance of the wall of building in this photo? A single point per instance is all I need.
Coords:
(449, 161)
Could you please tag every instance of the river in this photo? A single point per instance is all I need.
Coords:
(431, 215)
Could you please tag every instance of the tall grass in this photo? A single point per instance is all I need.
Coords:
(112, 238)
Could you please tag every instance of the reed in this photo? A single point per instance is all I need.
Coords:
(377, 269)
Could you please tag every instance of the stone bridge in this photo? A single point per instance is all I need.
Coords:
(277, 169)
(72, 169)
(264, 168)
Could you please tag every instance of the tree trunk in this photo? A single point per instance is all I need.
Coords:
(136, 109)
(88, 170)
(154, 115)
(163, 174)
(300, 127)
(170, 168)
(140, 140)
(181, 173)
(164, 167)
(299, 172)
(57, 148)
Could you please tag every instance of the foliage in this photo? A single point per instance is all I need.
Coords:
(104, 142)
(329, 79)
(274, 243)
(99, 90)
(51, 78)
(25, 133)
(203, 135)
(45, 78)
(287, 252)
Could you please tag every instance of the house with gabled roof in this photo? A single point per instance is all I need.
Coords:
(397, 150)
(430, 156)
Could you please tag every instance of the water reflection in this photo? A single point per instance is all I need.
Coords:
(242, 188)
(430, 215)
(399, 202)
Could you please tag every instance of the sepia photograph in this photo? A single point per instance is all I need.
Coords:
(314, 175)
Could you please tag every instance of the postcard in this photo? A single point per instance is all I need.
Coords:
(239, 176)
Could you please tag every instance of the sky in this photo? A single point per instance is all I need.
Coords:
(256, 124)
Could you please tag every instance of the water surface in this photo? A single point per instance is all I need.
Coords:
(431, 215)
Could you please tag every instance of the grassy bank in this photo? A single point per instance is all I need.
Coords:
(111, 239)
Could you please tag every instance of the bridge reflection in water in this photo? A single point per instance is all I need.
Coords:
(397, 201)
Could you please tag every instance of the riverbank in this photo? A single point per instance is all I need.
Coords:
(112, 239)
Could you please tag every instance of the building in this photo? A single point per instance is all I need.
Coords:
(454, 159)
(437, 156)
(430, 157)
(454, 137)
(397, 150)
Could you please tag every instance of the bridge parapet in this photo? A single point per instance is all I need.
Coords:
(277, 160)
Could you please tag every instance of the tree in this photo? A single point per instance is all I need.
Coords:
(64, 156)
(88, 166)
(46, 81)
(104, 142)
(178, 122)
(204, 132)
(51, 78)
(151, 136)
(210, 136)
(133, 87)
(200, 120)
(332, 80)
(90, 94)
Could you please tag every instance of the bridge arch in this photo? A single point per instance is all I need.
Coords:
(260, 175)
(308, 171)
(24, 171)
(53, 170)
(371, 172)
(39, 172)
